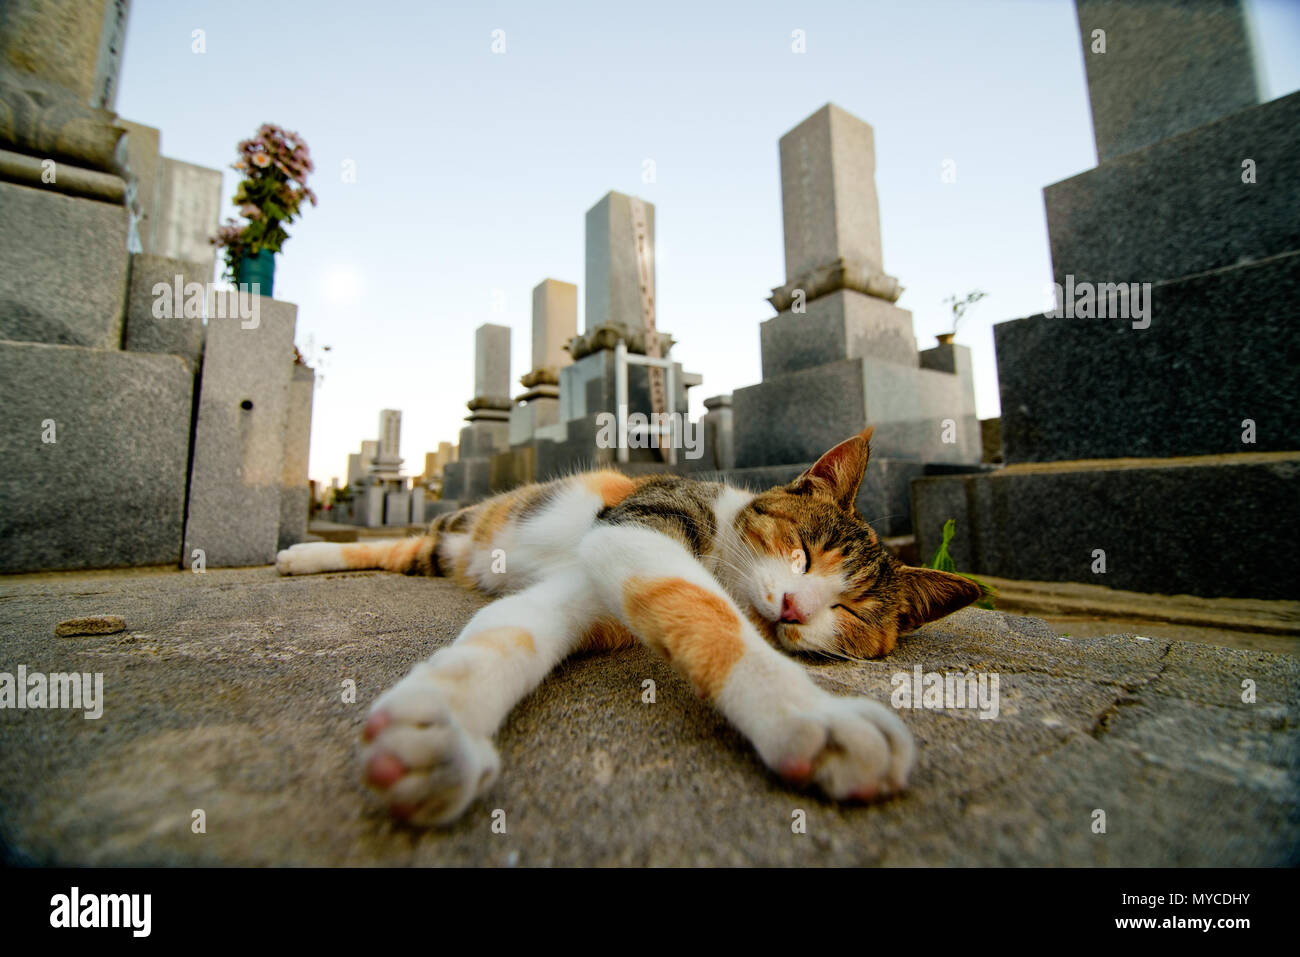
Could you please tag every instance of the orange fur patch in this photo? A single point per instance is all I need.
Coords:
(503, 641)
(495, 514)
(695, 629)
(402, 555)
(361, 556)
(606, 634)
(612, 487)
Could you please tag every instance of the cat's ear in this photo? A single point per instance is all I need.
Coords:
(838, 473)
(926, 595)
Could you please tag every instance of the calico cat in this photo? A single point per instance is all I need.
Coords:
(713, 578)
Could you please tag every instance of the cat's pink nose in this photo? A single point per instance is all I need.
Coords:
(790, 611)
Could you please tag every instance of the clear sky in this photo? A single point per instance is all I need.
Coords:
(474, 169)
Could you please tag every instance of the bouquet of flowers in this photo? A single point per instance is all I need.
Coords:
(275, 164)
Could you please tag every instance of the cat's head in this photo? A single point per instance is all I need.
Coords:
(816, 578)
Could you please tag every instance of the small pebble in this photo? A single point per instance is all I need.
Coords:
(92, 625)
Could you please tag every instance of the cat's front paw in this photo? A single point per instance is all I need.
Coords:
(853, 749)
(305, 558)
(418, 757)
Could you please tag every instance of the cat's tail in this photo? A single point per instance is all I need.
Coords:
(417, 555)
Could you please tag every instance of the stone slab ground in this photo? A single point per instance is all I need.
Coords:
(225, 694)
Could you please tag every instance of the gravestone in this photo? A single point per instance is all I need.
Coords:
(840, 355)
(387, 463)
(555, 323)
(1146, 420)
(469, 478)
(620, 306)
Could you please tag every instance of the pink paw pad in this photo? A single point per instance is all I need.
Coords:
(384, 770)
(797, 769)
(375, 724)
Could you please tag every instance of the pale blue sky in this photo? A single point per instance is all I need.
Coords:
(475, 169)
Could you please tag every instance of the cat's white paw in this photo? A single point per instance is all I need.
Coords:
(305, 558)
(853, 749)
(421, 761)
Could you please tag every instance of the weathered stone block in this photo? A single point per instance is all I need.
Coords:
(1211, 526)
(555, 322)
(1180, 206)
(239, 438)
(828, 192)
(916, 413)
(109, 490)
(1165, 68)
(1218, 352)
(492, 361)
(173, 331)
(63, 268)
(844, 324)
(189, 208)
(613, 289)
(467, 480)
(295, 492)
(484, 438)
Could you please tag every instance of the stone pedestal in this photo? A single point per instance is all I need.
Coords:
(719, 435)
(843, 324)
(63, 268)
(164, 307)
(295, 490)
(95, 445)
(239, 435)
(1162, 430)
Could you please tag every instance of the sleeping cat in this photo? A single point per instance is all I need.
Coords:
(713, 578)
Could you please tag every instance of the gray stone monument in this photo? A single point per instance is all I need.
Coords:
(1159, 69)
(840, 355)
(469, 478)
(555, 323)
(387, 463)
(1148, 422)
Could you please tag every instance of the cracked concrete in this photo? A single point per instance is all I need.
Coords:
(225, 695)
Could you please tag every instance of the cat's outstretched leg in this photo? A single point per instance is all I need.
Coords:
(429, 751)
(852, 748)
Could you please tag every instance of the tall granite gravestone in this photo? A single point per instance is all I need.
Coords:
(469, 478)
(620, 306)
(1148, 421)
(840, 355)
(555, 322)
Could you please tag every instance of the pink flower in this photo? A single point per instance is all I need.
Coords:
(261, 160)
